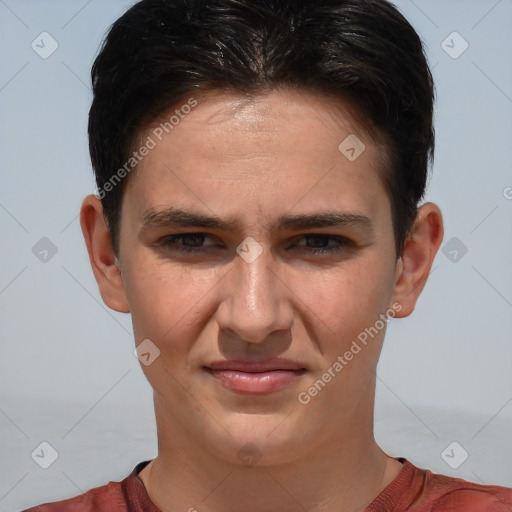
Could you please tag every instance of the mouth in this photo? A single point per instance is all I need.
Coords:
(257, 378)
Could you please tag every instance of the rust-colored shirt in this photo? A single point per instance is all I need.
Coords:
(412, 490)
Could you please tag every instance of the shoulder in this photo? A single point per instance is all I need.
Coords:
(455, 494)
(112, 497)
(105, 498)
(420, 490)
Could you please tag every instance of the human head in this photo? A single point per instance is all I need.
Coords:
(261, 163)
(363, 51)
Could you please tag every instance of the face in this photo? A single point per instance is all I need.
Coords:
(255, 254)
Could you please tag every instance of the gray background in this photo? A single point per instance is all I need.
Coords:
(67, 372)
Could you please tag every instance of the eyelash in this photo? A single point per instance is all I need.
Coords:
(171, 240)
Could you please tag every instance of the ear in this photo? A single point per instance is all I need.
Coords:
(101, 255)
(413, 267)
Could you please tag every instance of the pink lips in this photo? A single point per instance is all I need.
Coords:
(256, 378)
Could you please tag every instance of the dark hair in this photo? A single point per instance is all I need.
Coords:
(361, 51)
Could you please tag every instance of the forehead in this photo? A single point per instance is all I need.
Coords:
(283, 145)
(246, 125)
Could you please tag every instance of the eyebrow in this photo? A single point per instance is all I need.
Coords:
(181, 218)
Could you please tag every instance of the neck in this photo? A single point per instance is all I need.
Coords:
(344, 474)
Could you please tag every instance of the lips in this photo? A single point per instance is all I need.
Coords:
(256, 377)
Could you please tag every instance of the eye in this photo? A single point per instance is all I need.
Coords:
(319, 244)
(186, 242)
(194, 243)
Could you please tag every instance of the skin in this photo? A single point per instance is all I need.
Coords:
(255, 160)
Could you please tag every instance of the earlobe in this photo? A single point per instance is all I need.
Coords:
(104, 262)
(421, 246)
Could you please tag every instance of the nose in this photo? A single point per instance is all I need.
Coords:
(255, 300)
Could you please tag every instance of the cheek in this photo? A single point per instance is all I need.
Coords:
(349, 298)
(165, 300)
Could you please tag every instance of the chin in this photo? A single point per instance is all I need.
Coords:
(258, 439)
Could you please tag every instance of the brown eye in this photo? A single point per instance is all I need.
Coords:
(186, 242)
(325, 244)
